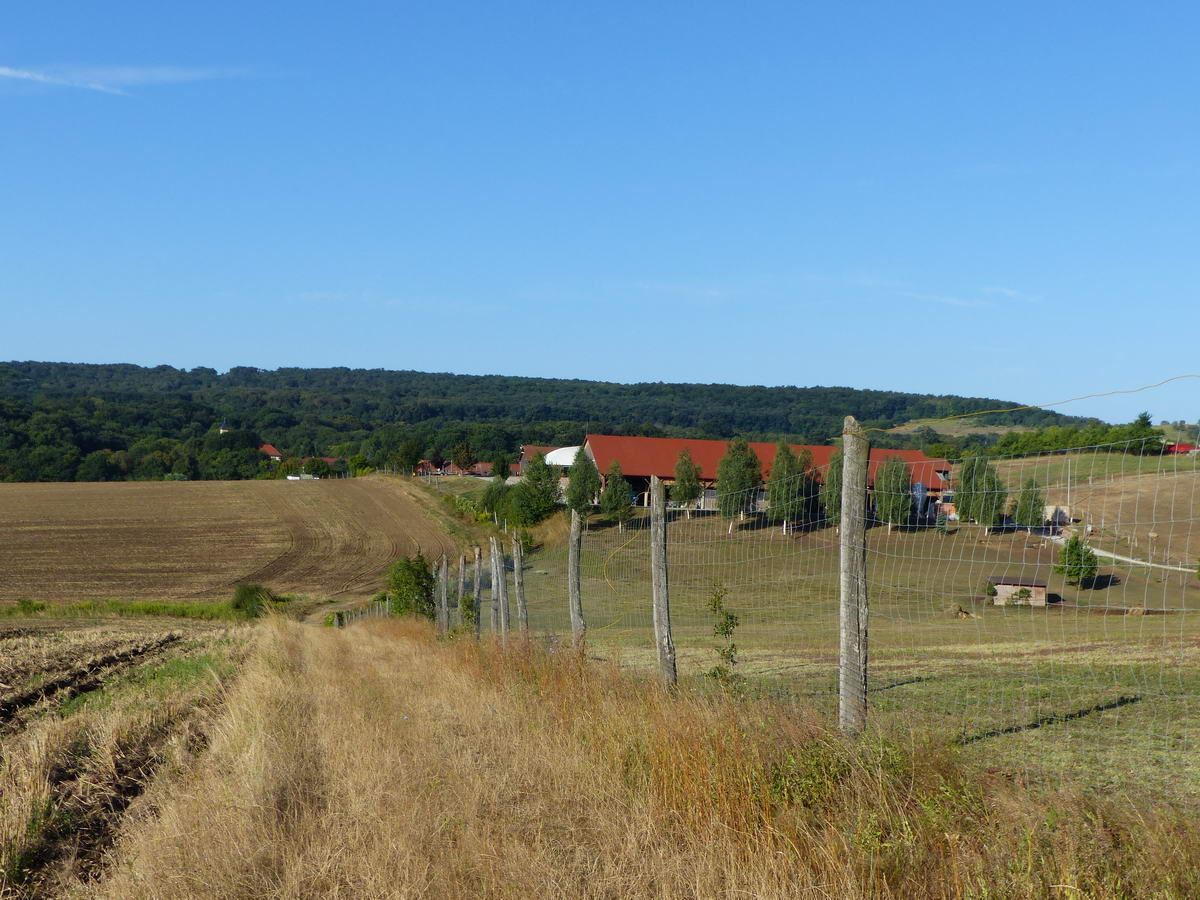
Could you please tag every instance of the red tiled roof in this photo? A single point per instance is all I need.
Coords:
(646, 456)
(270, 450)
(529, 451)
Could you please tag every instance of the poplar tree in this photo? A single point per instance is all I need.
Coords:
(979, 493)
(615, 500)
(1030, 508)
(537, 494)
(583, 483)
(686, 488)
(501, 468)
(787, 490)
(739, 473)
(831, 490)
(893, 492)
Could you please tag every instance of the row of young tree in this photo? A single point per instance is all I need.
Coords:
(795, 494)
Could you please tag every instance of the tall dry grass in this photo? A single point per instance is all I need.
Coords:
(376, 762)
(71, 766)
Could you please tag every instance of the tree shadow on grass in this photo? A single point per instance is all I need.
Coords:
(1048, 720)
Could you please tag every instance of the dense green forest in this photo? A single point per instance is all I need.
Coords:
(68, 421)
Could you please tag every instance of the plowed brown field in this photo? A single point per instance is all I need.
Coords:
(195, 540)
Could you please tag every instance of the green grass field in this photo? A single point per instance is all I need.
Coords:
(1029, 692)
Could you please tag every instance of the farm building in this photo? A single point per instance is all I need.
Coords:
(642, 457)
(529, 451)
(477, 469)
(1183, 449)
(1012, 591)
(272, 451)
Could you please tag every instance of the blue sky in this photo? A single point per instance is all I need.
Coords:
(941, 198)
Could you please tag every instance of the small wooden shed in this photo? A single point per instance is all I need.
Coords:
(1018, 591)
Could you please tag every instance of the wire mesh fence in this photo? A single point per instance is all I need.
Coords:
(987, 622)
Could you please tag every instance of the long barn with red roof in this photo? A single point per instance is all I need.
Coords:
(642, 457)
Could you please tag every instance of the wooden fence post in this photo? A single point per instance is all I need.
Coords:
(499, 592)
(477, 595)
(502, 570)
(462, 585)
(663, 640)
(574, 580)
(443, 607)
(518, 554)
(852, 651)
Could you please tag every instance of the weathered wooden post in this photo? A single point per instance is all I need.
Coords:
(663, 640)
(574, 580)
(462, 585)
(477, 595)
(443, 607)
(499, 592)
(518, 555)
(497, 573)
(852, 652)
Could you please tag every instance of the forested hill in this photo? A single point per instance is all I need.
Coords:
(369, 411)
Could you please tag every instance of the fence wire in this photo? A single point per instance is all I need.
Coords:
(977, 631)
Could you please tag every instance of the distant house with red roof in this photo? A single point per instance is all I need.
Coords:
(642, 457)
(529, 451)
(272, 451)
(1182, 449)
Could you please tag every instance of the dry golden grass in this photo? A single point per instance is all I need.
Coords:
(78, 746)
(376, 762)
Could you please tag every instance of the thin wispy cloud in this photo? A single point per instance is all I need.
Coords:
(1011, 294)
(115, 79)
(43, 78)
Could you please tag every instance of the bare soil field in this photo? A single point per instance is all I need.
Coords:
(196, 540)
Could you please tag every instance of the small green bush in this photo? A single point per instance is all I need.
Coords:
(27, 607)
(411, 583)
(252, 600)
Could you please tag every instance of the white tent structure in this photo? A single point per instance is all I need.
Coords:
(563, 457)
